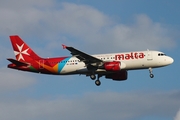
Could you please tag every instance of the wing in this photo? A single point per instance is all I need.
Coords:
(87, 59)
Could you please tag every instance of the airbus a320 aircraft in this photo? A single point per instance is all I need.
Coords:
(113, 66)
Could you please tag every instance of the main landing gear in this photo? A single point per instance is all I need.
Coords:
(93, 76)
(97, 82)
(151, 74)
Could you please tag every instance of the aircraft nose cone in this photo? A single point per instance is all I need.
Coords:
(170, 60)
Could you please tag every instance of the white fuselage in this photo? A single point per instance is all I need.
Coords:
(129, 61)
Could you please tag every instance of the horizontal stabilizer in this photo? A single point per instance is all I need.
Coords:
(18, 63)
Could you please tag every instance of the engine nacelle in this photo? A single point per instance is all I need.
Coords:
(114, 66)
(119, 76)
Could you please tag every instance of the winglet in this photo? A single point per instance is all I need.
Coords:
(64, 46)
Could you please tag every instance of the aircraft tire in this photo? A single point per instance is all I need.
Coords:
(98, 82)
(151, 75)
(93, 77)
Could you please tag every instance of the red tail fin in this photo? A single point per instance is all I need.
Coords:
(22, 51)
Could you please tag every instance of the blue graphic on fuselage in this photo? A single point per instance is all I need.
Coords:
(62, 64)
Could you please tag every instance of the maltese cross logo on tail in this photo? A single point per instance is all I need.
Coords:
(20, 52)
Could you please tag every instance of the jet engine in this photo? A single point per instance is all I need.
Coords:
(114, 66)
(118, 76)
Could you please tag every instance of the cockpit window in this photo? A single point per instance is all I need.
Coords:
(161, 54)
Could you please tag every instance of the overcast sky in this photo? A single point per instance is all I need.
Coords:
(93, 27)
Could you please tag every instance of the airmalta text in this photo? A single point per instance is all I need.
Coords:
(128, 56)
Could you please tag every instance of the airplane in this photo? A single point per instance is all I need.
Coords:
(113, 66)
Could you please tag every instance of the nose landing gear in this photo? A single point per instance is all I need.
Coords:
(151, 74)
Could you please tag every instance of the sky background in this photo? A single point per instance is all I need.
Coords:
(93, 27)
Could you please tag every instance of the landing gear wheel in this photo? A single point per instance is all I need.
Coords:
(93, 77)
(151, 75)
(98, 82)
